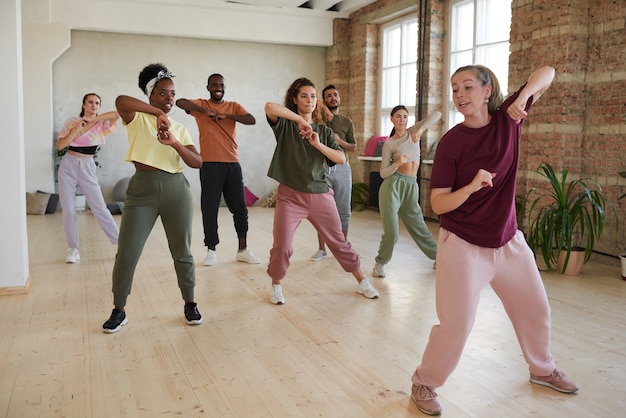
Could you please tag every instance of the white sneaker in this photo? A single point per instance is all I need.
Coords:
(366, 289)
(72, 255)
(378, 271)
(211, 258)
(246, 256)
(276, 297)
(319, 255)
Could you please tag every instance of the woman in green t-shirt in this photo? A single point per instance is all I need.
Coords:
(303, 143)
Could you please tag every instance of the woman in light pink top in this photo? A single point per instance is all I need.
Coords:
(82, 136)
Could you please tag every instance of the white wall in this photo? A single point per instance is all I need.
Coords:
(14, 255)
(255, 73)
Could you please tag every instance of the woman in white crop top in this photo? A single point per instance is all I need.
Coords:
(399, 193)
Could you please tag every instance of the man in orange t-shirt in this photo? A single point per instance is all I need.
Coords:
(220, 172)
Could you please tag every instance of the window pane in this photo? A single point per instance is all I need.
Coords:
(479, 34)
(409, 42)
(385, 124)
(392, 38)
(398, 74)
(496, 57)
(409, 85)
(390, 87)
(493, 21)
(459, 60)
(454, 117)
(462, 26)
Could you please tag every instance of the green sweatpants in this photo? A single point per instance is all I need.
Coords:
(151, 194)
(398, 199)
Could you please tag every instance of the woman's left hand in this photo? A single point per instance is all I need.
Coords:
(311, 136)
(165, 137)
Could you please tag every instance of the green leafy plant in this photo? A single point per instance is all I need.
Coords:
(569, 216)
(360, 196)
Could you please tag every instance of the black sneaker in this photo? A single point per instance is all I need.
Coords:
(192, 316)
(115, 322)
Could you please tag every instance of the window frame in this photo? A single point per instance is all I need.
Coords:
(404, 23)
(480, 12)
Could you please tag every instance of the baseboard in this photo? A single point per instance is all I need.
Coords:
(16, 290)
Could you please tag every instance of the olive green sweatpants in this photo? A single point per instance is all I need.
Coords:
(151, 194)
(397, 199)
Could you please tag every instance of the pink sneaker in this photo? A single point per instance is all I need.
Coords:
(426, 400)
(557, 381)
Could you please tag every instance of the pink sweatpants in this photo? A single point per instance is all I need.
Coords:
(463, 270)
(292, 207)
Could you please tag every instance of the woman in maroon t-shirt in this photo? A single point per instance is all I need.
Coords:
(473, 190)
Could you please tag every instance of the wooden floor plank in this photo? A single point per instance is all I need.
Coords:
(327, 352)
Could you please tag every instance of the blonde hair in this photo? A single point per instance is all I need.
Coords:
(486, 78)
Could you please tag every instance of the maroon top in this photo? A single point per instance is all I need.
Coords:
(487, 218)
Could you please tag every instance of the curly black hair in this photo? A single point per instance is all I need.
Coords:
(148, 73)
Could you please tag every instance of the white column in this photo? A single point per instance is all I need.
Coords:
(14, 245)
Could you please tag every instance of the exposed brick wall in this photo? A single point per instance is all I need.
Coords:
(579, 123)
(355, 52)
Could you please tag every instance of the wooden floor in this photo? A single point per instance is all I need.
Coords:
(327, 352)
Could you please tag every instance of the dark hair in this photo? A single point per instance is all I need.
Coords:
(82, 110)
(148, 73)
(393, 112)
(486, 78)
(292, 93)
(328, 87)
(208, 80)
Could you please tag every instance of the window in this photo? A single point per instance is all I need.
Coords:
(398, 69)
(479, 34)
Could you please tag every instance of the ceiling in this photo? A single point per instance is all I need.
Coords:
(342, 7)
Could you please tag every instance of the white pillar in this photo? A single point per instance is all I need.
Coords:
(14, 270)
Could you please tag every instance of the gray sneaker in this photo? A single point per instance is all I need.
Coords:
(319, 255)
(378, 271)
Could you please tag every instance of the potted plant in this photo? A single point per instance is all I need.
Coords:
(568, 218)
(360, 196)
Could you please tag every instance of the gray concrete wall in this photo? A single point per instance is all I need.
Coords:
(255, 73)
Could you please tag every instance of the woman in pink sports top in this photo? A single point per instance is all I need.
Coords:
(82, 136)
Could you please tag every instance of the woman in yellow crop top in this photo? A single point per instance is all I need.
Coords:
(156, 144)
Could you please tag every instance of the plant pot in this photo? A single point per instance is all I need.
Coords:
(622, 258)
(575, 263)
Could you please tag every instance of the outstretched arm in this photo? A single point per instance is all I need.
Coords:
(537, 84)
